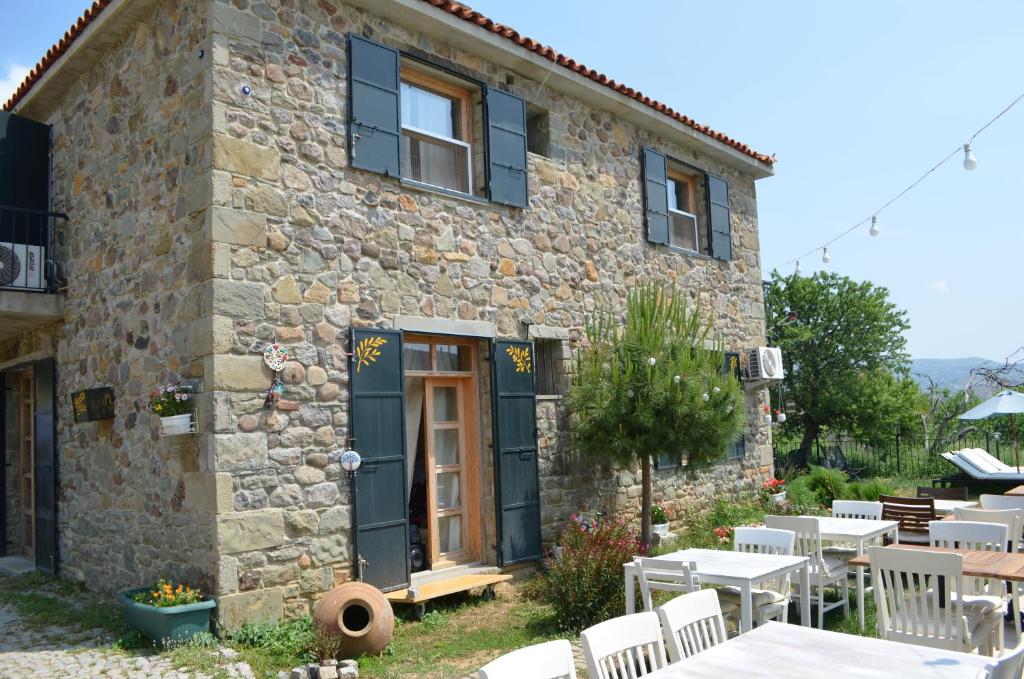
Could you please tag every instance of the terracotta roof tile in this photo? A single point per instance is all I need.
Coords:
(56, 52)
(455, 9)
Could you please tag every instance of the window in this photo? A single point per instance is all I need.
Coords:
(683, 231)
(550, 358)
(437, 128)
(538, 131)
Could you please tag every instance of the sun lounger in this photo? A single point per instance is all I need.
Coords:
(981, 466)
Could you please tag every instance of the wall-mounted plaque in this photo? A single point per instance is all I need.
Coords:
(93, 404)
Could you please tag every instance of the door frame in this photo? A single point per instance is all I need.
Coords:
(470, 411)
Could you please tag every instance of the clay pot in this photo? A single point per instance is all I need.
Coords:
(360, 614)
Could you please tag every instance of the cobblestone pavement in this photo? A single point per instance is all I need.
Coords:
(52, 652)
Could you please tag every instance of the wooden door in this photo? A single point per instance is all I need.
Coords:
(451, 487)
(27, 457)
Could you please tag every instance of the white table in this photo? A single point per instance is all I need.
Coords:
(739, 569)
(778, 651)
(860, 532)
(947, 506)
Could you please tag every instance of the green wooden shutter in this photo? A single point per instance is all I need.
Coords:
(24, 162)
(375, 118)
(45, 470)
(515, 452)
(738, 449)
(506, 148)
(655, 196)
(377, 425)
(721, 230)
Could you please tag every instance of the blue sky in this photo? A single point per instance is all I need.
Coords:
(856, 99)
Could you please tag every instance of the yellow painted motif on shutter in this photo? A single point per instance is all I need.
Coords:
(521, 357)
(368, 351)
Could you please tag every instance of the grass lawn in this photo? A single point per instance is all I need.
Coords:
(457, 637)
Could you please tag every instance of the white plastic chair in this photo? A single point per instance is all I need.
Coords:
(692, 623)
(825, 570)
(856, 509)
(664, 575)
(1001, 501)
(1010, 666)
(549, 660)
(986, 594)
(624, 648)
(770, 599)
(905, 583)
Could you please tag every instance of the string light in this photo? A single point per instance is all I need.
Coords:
(796, 271)
(970, 163)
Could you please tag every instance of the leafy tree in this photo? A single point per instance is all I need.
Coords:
(652, 384)
(845, 357)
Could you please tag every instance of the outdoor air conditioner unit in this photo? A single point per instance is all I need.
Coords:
(22, 266)
(764, 363)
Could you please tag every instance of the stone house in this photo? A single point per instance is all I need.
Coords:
(420, 206)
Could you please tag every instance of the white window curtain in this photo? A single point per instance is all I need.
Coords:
(413, 423)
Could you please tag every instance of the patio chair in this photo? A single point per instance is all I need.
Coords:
(1015, 502)
(692, 623)
(1013, 519)
(988, 595)
(549, 660)
(980, 466)
(625, 647)
(951, 493)
(770, 599)
(834, 458)
(664, 575)
(910, 612)
(913, 514)
(825, 570)
(851, 509)
(1010, 666)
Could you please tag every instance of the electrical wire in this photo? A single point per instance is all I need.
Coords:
(959, 149)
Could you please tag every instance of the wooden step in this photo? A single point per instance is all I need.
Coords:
(433, 590)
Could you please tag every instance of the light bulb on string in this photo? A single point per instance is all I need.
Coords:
(874, 230)
(825, 257)
(970, 162)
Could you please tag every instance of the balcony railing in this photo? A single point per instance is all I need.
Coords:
(27, 250)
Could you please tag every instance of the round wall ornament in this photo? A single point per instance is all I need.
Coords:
(275, 356)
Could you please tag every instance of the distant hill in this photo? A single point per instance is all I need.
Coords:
(950, 373)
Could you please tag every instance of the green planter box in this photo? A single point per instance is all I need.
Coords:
(177, 623)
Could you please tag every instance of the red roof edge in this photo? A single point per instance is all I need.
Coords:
(56, 52)
(455, 9)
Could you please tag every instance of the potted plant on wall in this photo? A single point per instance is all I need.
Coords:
(659, 520)
(167, 611)
(173, 404)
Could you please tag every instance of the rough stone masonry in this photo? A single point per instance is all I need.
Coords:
(202, 160)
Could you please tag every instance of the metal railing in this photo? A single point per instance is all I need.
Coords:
(28, 250)
(900, 457)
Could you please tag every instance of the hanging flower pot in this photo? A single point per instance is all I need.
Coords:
(176, 424)
(173, 404)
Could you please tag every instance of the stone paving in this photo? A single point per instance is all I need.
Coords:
(54, 651)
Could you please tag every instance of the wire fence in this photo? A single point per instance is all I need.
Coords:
(899, 458)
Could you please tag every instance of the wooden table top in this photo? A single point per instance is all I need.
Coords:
(979, 564)
(1016, 490)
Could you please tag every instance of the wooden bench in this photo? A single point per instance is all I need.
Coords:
(440, 588)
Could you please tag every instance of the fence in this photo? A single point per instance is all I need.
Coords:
(902, 458)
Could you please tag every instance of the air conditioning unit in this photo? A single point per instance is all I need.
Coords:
(22, 266)
(764, 363)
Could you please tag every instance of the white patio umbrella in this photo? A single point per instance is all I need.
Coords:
(1006, 402)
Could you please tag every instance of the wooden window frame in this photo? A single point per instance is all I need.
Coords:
(678, 175)
(463, 96)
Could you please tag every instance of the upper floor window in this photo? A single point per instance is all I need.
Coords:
(684, 225)
(437, 146)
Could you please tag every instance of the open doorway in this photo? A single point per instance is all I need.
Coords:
(443, 451)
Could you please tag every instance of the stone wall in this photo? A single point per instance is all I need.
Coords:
(131, 159)
(345, 247)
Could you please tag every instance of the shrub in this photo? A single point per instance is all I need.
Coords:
(281, 642)
(584, 586)
(868, 490)
(819, 487)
